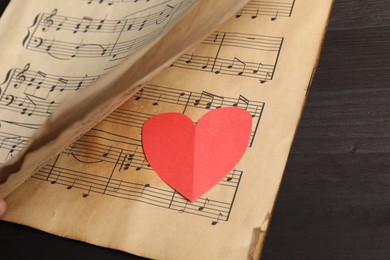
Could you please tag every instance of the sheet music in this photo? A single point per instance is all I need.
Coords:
(60, 51)
(102, 190)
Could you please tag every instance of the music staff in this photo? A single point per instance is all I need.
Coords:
(258, 70)
(270, 8)
(28, 106)
(42, 35)
(266, 48)
(203, 100)
(91, 151)
(39, 84)
(88, 24)
(244, 41)
(145, 193)
(10, 144)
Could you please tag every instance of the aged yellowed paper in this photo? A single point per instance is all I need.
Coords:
(101, 189)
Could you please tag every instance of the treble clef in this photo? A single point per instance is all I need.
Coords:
(48, 21)
(20, 77)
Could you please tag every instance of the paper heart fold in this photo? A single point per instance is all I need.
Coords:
(193, 158)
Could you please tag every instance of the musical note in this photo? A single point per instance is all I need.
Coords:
(266, 78)
(155, 103)
(242, 100)
(56, 180)
(60, 24)
(239, 14)
(87, 193)
(204, 204)
(215, 100)
(61, 85)
(231, 176)
(126, 162)
(118, 187)
(165, 14)
(267, 8)
(255, 15)
(71, 186)
(85, 23)
(215, 222)
(139, 94)
(34, 86)
(105, 154)
(242, 64)
(29, 108)
(101, 23)
(184, 208)
(190, 59)
(257, 70)
(138, 168)
(144, 193)
(276, 16)
(144, 188)
(50, 107)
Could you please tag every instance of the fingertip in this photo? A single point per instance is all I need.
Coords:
(3, 207)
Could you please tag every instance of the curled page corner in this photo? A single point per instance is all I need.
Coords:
(78, 115)
(193, 158)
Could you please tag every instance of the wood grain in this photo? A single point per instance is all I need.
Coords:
(335, 195)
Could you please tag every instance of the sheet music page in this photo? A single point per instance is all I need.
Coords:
(101, 189)
(82, 109)
(63, 48)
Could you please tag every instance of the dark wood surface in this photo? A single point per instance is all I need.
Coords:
(334, 200)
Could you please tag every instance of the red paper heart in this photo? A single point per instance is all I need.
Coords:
(193, 158)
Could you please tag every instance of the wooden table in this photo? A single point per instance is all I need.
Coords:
(334, 201)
